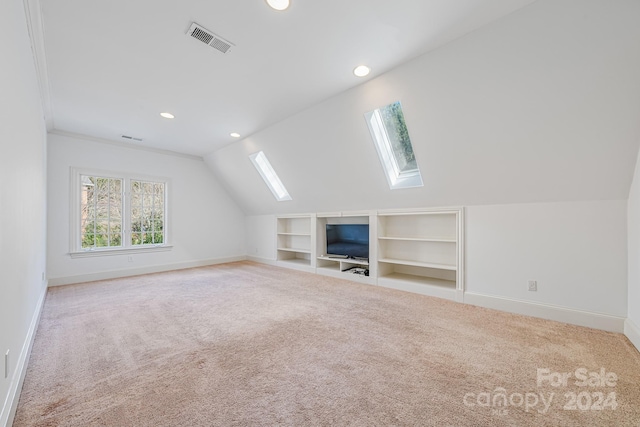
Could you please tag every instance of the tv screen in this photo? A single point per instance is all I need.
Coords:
(351, 240)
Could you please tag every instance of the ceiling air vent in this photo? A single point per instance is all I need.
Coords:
(209, 38)
(131, 138)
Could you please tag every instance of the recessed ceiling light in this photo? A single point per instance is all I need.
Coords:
(278, 4)
(235, 134)
(167, 115)
(361, 70)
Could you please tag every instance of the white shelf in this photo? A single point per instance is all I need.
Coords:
(420, 212)
(296, 261)
(420, 285)
(420, 280)
(296, 264)
(295, 242)
(420, 239)
(294, 225)
(418, 264)
(301, 251)
(345, 260)
(334, 271)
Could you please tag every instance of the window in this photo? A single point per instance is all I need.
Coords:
(114, 213)
(147, 212)
(391, 137)
(101, 212)
(269, 176)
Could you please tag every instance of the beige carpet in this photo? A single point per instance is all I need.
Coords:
(245, 344)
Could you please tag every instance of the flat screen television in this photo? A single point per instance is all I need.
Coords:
(350, 240)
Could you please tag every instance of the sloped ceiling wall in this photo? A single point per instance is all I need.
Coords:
(541, 106)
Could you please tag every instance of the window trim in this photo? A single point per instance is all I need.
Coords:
(75, 245)
(397, 179)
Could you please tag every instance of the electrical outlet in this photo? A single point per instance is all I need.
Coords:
(130, 259)
(6, 364)
(533, 286)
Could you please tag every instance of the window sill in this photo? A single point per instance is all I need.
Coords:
(120, 251)
(407, 181)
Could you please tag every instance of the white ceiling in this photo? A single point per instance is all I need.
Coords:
(113, 66)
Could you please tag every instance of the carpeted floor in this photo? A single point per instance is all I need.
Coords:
(245, 344)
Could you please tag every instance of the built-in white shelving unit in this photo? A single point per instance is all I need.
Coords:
(295, 241)
(417, 250)
(340, 267)
(421, 251)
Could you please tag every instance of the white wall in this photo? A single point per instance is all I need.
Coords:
(540, 106)
(261, 237)
(206, 224)
(632, 326)
(22, 198)
(576, 251)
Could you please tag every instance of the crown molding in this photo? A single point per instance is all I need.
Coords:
(125, 145)
(35, 26)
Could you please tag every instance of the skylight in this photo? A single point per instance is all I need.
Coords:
(270, 177)
(389, 132)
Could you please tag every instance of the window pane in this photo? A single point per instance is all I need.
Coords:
(147, 202)
(116, 239)
(136, 213)
(102, 240)
(116, 186)
(158, 189)
(88, 241)
(84, 222)
(394, 123)
(136, 199)
(136, 238)
(147, 212)
(100, 211)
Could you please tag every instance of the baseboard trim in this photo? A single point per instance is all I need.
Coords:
(116, 274)
(550, 312)
(632, 331)
(13, 397)
(261, 260)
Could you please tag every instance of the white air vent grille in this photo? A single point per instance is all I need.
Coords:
(209, 38)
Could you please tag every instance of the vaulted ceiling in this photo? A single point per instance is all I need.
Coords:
(542, 105)
(113, 66)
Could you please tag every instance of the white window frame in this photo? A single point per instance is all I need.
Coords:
(269, 175)
(396, 178)
(76, 249)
